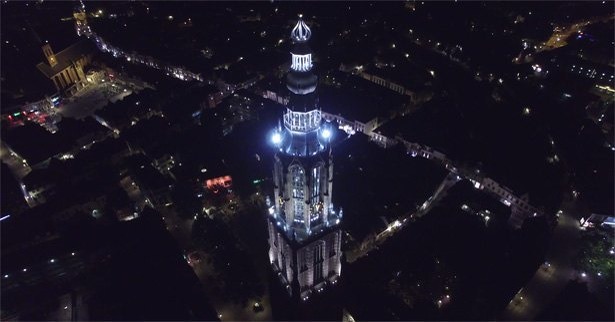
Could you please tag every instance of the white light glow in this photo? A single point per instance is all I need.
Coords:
(302, 121)
(301, 63)
(326, 133)
(301, 32)
(276, 138)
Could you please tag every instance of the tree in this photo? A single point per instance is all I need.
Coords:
(184, 197)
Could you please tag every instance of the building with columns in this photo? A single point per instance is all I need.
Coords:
(304, 234)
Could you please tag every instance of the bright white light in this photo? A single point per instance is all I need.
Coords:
(301, 32)
(583, 274)
(301, 62)
(276, 138)
(326, 133)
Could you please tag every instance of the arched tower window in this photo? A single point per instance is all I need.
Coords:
(319, 250)
(297, 175)
(316, 200)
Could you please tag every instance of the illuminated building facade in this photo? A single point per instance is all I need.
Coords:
(304, 234)
(215, 184)
(66, 68)
(81, 21)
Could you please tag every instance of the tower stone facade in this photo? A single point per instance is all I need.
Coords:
(304, 234)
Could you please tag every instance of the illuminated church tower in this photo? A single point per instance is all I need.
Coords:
(304, 234)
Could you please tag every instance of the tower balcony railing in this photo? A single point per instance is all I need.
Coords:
(302, 121)
(301, 63)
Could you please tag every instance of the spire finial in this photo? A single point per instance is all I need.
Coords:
(301, 32)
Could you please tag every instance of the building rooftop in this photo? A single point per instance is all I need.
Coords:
(66, 57)
(433, 125)
(145, 174)
(11, 198)
(273, 84)
(74, 131)
(356, 98)
(405, 74)
(236, 76)
(34, 143)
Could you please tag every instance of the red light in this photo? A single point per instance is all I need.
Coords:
(220, 182)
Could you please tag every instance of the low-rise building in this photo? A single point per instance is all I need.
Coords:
(520, 206)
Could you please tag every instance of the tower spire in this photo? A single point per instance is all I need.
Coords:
(301, 32)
